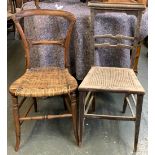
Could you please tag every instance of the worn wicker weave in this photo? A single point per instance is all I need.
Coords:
(40, 82)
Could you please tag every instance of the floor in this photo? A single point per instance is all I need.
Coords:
(55, 137)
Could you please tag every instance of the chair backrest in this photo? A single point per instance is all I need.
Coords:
(64, 42)
(128, 8)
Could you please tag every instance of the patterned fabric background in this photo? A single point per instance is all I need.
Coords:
(80, 55)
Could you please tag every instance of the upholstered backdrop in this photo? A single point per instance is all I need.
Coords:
(81, 57)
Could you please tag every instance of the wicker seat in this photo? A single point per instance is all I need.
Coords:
(113, 79)
(40, 82)
(44, 81)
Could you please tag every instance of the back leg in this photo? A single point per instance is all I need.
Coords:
(35, 104)
(125, 103)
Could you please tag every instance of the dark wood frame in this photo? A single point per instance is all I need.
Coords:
(87, 96)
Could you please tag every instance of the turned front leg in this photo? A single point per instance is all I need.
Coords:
(16, 120)
(74, 114)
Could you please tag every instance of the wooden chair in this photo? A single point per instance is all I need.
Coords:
(14, 7)
(113, 79)
(20, 2)
(11, 9)
(42, 81)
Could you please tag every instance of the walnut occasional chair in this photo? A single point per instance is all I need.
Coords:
(44, 81)
(113, 79)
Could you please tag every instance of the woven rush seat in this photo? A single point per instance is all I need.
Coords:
(40, 82)
(111, 79)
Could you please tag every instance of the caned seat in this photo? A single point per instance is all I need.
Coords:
(112, 79)
(40, 82)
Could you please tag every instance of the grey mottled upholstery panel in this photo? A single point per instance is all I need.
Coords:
(80, 55)
(107, 23)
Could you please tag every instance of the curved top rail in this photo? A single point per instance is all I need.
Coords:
(33, 12)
